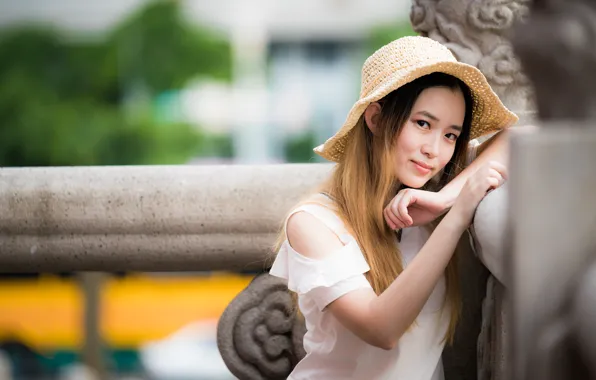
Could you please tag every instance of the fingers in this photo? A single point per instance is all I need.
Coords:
(498, 172)
(500, 168)
(392, 220)
(492, 173)
(488, 177)
(402, 208)
(396, 213)
(388, 219)
(399, 208)
(493, 183)
(493, 176)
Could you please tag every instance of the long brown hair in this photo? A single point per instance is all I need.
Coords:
(364, 182)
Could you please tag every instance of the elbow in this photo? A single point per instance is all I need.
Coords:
(385, 344)
(377, 338)
(383, 333)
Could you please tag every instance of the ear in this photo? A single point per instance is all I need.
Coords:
(372, 114)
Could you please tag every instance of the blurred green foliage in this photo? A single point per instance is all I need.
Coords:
(216, 145)
(300, 148)
(157, 47)
(69, 103)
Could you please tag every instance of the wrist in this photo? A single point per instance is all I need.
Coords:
(455, 221)
(447, 199)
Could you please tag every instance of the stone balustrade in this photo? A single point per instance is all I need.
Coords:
(175, 218)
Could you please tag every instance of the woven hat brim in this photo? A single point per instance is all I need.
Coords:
(488, 114)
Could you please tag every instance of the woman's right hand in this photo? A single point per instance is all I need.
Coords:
(487, 178)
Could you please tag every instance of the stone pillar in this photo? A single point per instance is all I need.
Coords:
(553, 307)
(551, 249)
(476, 31)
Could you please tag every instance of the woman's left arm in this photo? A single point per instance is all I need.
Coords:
(494, 149)
(417, 207)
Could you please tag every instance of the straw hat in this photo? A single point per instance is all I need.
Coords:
(405, 60)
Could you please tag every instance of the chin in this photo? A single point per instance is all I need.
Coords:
(414, 183)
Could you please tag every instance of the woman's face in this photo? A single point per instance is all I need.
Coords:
(427, 140)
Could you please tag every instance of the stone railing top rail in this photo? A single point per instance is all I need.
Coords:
(157, 218)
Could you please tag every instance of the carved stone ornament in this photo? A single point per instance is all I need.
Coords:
(258, 335)
(476, 31)
(497, 15)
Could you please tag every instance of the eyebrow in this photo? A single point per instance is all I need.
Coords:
(434, 118)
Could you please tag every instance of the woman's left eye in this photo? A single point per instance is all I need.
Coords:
(423, 124)
(451, 136)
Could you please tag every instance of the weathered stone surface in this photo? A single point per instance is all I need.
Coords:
(158, 218)
(551, 245)
(584, 315)
(259, 335)
(490, 224)
(489, 230)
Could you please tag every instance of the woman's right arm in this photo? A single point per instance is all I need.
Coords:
(382, 320)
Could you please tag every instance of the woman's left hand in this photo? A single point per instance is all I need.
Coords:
(413, 207)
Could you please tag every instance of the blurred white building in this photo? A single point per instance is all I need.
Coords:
(296, 63)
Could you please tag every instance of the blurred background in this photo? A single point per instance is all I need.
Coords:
(145, 82)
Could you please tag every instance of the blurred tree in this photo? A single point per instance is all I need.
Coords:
(299, 148)
(158, 48)
(62, 103)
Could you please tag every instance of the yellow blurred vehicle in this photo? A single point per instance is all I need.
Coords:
(46, 314)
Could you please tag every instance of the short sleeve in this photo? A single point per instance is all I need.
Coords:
(322, 280)
(324, 295)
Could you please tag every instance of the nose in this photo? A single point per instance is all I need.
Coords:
(431, 145)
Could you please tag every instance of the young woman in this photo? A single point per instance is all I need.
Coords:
(375, 283)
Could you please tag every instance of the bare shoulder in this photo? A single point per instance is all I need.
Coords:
(310, 237)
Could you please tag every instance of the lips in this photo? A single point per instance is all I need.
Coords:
(421, 167)
(422, 164)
